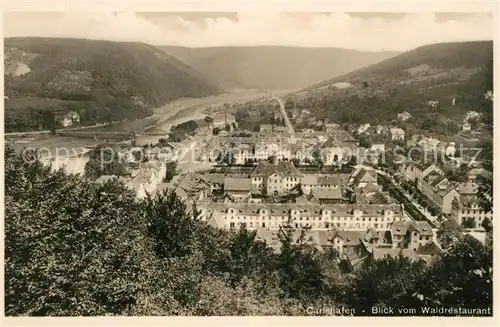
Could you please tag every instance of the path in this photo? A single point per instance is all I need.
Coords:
(285, 116)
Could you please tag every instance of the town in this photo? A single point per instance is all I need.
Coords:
(322, 182)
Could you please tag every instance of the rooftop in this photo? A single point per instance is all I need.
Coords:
(237, 184)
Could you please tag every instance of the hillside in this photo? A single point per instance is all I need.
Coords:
(273, 67)
(101, 80)
(407, 82)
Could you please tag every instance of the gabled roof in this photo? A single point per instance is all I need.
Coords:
(221, 116)
(365, 176)
(309, 179)
(468, 188)
(396, 130)
(440, 179)
(237, 184)
(433, 174)
(263, 169)
(327, 194)
(429, 249)
(351, 238)
(287, 169)
(401, 227)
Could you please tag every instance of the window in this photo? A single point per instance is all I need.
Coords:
(263, 224)
(231, 225)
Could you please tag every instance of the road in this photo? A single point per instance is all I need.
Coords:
(285, 116)
(396, 184)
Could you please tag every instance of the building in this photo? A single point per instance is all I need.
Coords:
(345, 239)
(268, 128)
(146, 179)
(364, 177)
(474, 173)
(223, 118)
(363, 128)
(404, 116)
(378, 147)
(450, 149)
(243, 154)
(371, 194)
(327, 196)
(411, 234)
(310, 215)
(439, 190)
(310, 182)
(415, 172)
(237, 189)
(382, 130)
(471, 115)
(331, 127)
(429, 143)
(397, 134)
(467, 207)
(68, 119)
(275, 179)
(466, 126)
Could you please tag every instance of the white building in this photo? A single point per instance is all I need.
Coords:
(397, 134)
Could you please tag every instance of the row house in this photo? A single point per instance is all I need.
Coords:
(440, 191)
(311, 215)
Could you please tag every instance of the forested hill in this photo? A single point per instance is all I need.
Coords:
(407, 82)
(273, 67)
(102, 80)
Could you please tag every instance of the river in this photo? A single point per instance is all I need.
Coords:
(69, 152)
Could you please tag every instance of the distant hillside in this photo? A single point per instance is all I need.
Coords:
(101, 80)
(273, 67)
(407, 82)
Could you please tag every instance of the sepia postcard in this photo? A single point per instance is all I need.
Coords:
(308, 163)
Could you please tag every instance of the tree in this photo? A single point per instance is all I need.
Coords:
(300, 275)
(208, 119)
(171, 170)
(216, 131)
(87, 239)
(485, 193)
(162, 142)
(469, 223)
(104, 161)
(460, 277)
(171, 227)
(474, 123)
(449, 232)
(388, 282)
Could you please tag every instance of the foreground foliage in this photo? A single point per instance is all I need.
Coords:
(73, 247)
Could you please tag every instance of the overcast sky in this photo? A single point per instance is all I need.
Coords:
(362, 31)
